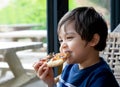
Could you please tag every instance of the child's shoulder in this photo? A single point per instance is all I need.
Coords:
(102, 70)
(100, 67)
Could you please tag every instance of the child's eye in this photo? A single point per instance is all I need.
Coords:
(60, 41)
(69, 38)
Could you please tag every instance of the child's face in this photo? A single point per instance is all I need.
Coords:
(70, 41)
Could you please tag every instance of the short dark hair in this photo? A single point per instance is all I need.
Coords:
(87, 22)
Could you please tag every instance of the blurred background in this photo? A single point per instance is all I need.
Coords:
(34, 11)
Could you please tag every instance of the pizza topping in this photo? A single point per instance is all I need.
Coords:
(50, 56)
(55, 60)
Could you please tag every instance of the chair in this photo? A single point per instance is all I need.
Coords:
(112, 53)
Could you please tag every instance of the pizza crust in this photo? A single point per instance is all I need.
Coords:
(58, 59)
(55, 63)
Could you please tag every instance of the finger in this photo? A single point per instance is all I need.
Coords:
(36, 65)
(41, 69)
(43, 60)
(43, 76)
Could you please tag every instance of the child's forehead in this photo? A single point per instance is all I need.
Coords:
(66, 29)
(67, 26)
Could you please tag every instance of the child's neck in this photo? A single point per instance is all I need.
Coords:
(91, 60)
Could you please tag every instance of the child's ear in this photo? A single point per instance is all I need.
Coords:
(95, 40)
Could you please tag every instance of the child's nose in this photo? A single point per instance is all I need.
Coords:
(64, 45)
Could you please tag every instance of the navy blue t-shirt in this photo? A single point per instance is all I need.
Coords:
(98, 75)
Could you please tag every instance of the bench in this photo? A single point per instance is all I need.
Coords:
(4, 67)
(27, 58)
(33, 35)
(18, 27)
(9, 50)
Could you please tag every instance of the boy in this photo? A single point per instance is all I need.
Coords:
(82, 32)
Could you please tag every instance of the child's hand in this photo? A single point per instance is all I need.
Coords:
(44, 72)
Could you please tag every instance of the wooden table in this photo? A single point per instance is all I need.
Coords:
(9, 49)
(34, 35)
